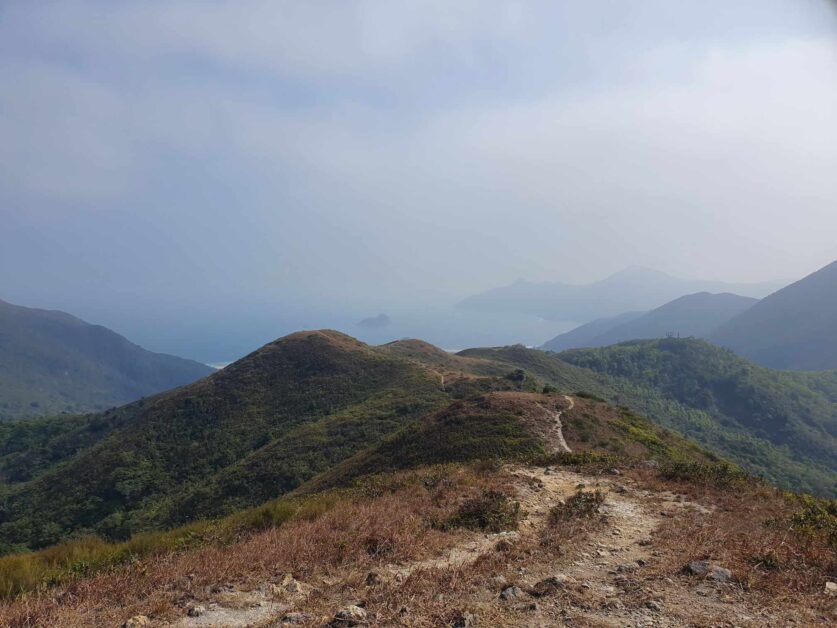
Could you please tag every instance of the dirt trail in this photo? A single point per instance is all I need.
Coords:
(608, 578)
(560, 428)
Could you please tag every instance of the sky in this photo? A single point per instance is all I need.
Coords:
(203, 176)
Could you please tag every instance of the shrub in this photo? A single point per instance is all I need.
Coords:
(582, 505)
(490, 511)
(719, 474)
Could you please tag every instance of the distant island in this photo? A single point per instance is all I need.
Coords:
(375, 322)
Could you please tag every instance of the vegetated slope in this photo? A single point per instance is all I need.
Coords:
(322, 402)
(515, 425)
(697, 315)
(633, 289)
(794, 328)
(261, 427)
(790, 419)
(51, 362)
(252, 431)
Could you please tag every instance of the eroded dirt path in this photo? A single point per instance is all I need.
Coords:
(607, 573)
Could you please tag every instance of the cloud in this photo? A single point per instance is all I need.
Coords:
(349, 146)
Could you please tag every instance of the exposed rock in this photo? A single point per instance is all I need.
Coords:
(550, 586)
(292, 585)
(511, 593)
(294, 618)
(719, 574)
(831, 588)
(464, 620)
(654, 605)
(697, 567)
(350, 616)
(137, 620)
(196, 611)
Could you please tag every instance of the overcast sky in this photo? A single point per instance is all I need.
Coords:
(214, 162)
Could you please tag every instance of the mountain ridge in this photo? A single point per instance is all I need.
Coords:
(52, 362)
(632, 289)
(697, 315)
(793, 328)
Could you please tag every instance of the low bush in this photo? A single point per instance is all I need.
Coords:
(582, 505)
(491, 511)
(716, 474)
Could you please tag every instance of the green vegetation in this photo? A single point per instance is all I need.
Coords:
(778, 425)
(249, 433)
(319, 410)
(52, 363)
(720, 474)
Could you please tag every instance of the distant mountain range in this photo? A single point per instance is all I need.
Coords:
(794, 328)
(52, 362)
(697, 315)
(633, 289)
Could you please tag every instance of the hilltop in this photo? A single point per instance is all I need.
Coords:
(52, 362)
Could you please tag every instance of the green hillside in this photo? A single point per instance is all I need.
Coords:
(51, 362)
(318, 408)
(252, 431)
(782, 425)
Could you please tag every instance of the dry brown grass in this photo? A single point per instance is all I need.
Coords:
(363, 530)
(756, 532)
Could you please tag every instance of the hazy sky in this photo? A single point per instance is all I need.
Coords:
(175, 168)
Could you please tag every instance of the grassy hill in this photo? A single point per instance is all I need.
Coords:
(782, 425)
(793, 328)
(321, 407)
(697, 315)
(252, 431)
(51, 362)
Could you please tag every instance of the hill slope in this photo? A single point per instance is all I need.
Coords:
(794, 328)
(697, 315)
(633, 289)
(779, 424)
(51, 362)
(321, 404)
(250, 432)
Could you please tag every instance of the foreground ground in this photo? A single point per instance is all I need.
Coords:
(445, 547)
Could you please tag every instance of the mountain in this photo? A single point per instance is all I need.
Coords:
(251, 431)
(397, 472)
(296, 408)
(52, 362)
(782, 425)
(794, 328)
(375, 322)
(324, 405)
(633, 289)
(697, 315)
